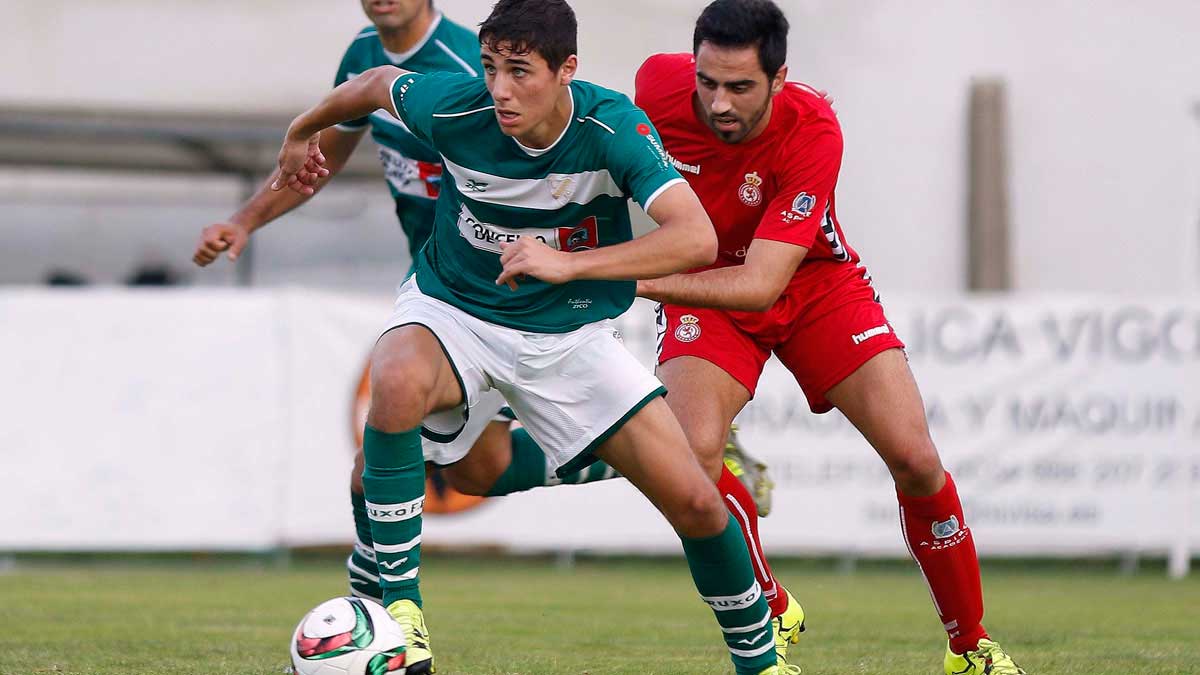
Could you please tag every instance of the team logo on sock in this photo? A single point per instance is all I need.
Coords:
(946, 528)
(689, 328)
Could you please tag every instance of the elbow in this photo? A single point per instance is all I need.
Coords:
(759, 302)
(704, 249)
(377, 76)
(760, 299)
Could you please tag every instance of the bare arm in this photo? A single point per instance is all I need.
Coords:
(350, 100)
(266, 205)
(752, 287)
(303, 166)
(684, 239)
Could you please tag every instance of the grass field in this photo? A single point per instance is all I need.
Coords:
(505, 616)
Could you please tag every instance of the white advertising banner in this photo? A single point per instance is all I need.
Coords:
(169, 420)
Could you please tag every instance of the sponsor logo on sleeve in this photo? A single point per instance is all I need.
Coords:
(660, 153)
(683, 167)
(862, 337)
(802, 207)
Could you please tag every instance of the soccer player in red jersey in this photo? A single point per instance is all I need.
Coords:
(763, 155)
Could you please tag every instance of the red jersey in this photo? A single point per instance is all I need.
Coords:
(778, 186)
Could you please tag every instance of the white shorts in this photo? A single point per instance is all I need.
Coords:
(571, 391)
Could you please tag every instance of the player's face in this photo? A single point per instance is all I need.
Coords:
(524, 88)
(732, 91)
(393, 14)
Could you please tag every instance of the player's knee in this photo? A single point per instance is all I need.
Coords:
(702, 514)
(399, 396)
(709, 448)
(918, 471)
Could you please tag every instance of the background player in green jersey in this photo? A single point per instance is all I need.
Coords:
(531, 256)
(415, 35)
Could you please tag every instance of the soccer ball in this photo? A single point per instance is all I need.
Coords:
(348, 636)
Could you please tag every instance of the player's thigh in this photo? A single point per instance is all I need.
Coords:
(882, 401)
(410, 377)
(651, 451)
(484, 463)
(705, 399)
(437, 361)
(573, 390)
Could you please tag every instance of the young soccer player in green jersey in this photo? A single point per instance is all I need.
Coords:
(414, 35)
(531, 256)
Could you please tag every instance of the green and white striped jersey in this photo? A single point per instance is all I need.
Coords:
(413, 169)
(572, 196)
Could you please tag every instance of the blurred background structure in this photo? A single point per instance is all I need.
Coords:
(1048, 149)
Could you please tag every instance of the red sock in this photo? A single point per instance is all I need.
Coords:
(741, 505)
(938, 539)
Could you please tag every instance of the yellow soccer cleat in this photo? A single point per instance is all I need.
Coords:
(772, 670)
(788, 627)
(751, 471)
(412, 620)
(988, 658)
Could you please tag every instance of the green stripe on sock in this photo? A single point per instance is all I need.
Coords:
(394, 491)
(721, 569)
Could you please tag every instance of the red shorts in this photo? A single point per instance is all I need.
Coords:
(825, 325)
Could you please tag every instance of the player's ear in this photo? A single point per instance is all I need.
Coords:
(566, 72)
(780, 79)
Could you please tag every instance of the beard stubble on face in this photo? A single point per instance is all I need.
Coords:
(739, 133)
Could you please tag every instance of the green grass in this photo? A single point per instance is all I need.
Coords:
(504, 616)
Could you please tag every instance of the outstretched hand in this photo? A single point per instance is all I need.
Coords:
(532, 257)
(301, 165)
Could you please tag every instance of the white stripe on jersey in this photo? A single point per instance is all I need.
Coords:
(470, 71)
(465, 113)
(546, 194)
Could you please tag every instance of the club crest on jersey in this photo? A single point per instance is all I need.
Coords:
(751, 191)
(561, 188)
(689, 328)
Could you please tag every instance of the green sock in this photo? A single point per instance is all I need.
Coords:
(530, 468)
(361, 566)
(394, 487)
(721, 568)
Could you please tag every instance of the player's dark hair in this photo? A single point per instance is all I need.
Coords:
(544, 26)
(745, 23)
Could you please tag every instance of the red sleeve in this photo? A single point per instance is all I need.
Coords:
(805, 184)
(659, 76)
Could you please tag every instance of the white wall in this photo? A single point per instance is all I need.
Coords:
(212, 418)
(1105, 149)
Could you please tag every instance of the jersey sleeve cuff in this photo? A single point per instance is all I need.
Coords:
(392, 94)
(661, 189)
